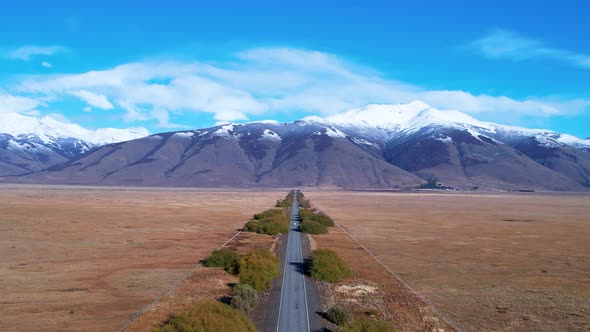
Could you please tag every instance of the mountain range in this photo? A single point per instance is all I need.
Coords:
(29, 144)
(377, 146)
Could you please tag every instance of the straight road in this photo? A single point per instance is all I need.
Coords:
(293, 309)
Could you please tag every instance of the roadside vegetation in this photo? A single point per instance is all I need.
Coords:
(225, 258)
(338, 315)
(367, 325)
(303, 203)
(255, 270)
(313, 222)
(270, 222)
(244, 298)
(208, 316)
(326, 265)
(286, 202)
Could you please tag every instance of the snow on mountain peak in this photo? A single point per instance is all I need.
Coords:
(48, 129)
(408, 118)
(402, 117)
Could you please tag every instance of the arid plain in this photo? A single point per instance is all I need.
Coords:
(489, 262)
(86, 259)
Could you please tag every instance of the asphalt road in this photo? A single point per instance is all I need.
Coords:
(293, 309)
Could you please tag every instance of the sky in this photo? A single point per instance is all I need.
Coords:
(176, 65)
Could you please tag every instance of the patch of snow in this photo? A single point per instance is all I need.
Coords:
(572, 140)
(224, 131)
(364, 142)
(335, 133)
(185, 134)
(445, 139)
(271, 135)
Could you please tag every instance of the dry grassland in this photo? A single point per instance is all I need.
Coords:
(490, 262)
(86, 259)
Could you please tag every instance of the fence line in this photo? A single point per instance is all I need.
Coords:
(167, 292)
(405, 284)
(396, 276)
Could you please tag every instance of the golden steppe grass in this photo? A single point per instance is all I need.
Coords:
(489, 262)
(85, 259)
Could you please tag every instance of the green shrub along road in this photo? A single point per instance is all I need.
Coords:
(314, 222)
(286, 202)
(270, 222)
(244, 298)
(208, 316)
(225, 258)
(338, 315)
(258, 268)
(326, 265)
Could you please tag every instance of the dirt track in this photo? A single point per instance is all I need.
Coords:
(87, 259)
(493, 262)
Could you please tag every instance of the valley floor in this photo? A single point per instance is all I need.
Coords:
(84, 258)
(493, 262)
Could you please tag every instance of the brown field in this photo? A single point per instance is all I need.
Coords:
(85, 259)
(489, 262)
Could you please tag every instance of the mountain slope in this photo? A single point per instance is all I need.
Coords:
(378, 146)
(29, 144)
(300, 154)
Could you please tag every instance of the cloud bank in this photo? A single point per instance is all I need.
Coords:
(259, 82)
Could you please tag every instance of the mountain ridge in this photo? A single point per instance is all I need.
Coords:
(378, 146)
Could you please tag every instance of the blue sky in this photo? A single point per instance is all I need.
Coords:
(190, 64)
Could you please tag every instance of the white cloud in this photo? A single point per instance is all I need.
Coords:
(17, 104)
(262, 81)
(46, 64)
(504, 44)
(93, 99)
(25, 53)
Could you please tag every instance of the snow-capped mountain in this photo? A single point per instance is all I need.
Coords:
(30, 144)
(404, 119)
(377, 146)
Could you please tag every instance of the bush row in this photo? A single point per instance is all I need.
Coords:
(208, 316)
(256, 269)
(367, 325)
(326, 265)
(302, 202)
(286, 202)
(313, 222)
(270, 222)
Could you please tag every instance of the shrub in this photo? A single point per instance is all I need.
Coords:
(244, 297)
(287, 202)
(313, 227)
(367, 325)
(208, 316)
(304, 203)
(338, 315)
(305, 214)
(271, 222)
(319, 217)
(323, 219)
(225, 258)
(326, 265)
(258, 268)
